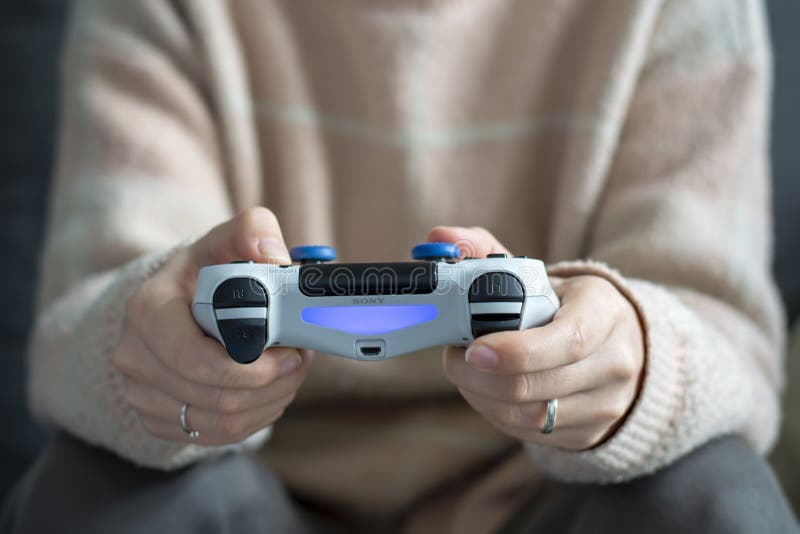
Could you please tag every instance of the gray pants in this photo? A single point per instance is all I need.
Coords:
(721, 487)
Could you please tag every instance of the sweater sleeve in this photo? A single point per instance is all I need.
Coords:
(139, 172)
(684, 231)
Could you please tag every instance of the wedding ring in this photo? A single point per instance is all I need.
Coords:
(191, 433)
(550, 417)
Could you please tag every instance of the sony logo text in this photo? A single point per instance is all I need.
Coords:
(368, 300)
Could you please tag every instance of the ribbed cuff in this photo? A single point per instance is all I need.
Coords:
(637, 447)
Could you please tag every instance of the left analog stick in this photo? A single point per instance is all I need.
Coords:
(312, 253)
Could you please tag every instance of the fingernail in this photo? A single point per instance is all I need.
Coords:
(273, 250)
(290, 363)
(308, 355)
(481, 356)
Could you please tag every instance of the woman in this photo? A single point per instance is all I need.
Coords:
(624, 146)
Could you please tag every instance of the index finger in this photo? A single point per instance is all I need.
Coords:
(181, 345)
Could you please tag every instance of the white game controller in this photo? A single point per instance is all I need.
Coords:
(370, 311)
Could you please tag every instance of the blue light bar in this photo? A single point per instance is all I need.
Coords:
(370, 320)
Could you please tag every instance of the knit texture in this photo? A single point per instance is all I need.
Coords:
(632, 134)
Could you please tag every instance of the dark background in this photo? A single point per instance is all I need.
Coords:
(30, 34)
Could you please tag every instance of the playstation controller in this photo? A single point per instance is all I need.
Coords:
(370, 311)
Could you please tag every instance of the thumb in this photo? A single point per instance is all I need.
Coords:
(475, 242)
(253, 235)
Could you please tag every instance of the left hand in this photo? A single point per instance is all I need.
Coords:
(590, 357)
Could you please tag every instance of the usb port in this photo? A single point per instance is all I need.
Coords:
(370, 351)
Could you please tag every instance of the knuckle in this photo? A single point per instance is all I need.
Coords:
(588, 282)
(621, 404)
(232, 425)
(529, 356)
(537, 384)
(228, 401)
(598, 283)
(614, 408)
(122, 361)
(607, 413)
(270, 374)
(577, 341)
(619, 304)
(269, 370)
(521, 388)
(623, 366)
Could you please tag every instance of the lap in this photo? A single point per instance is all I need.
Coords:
(722, 487)
(77, 488)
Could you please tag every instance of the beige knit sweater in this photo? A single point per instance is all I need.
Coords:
(631, 132)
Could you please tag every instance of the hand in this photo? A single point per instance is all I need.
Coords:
(167, 360)
(590, 357)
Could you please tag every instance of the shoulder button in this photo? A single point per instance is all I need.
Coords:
(496, 287)
(240, 293)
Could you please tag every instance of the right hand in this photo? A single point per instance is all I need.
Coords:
(167, 360)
